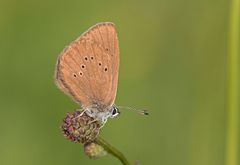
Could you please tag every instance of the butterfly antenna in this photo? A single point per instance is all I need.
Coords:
(141, 111)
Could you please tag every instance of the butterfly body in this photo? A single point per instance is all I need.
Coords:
(100, 112)
(87, 70)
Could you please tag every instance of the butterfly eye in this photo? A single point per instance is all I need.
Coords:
(115, 112)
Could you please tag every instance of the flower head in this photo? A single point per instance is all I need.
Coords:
(79, 127)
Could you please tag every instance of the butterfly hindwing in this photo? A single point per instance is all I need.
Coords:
(87, 70)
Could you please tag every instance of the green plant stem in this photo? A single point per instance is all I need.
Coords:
(110, 149)
(232, 102)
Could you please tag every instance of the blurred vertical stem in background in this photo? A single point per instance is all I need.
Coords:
(232, 102)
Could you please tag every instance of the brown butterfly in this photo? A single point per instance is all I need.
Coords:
(87, 71)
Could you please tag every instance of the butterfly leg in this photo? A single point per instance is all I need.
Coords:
(81, 112)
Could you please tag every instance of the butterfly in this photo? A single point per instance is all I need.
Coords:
(87, 71)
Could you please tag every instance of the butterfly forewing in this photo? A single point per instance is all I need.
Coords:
(87, 69)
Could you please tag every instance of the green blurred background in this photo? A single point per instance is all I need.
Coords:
(173, 62)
